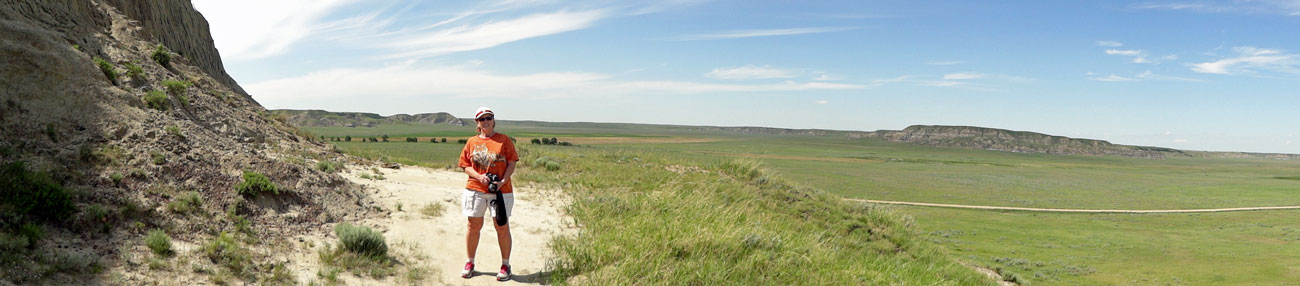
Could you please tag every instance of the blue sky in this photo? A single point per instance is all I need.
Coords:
(1197, 75)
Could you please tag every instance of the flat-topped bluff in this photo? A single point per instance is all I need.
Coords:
(315, 118)
(1018, 141)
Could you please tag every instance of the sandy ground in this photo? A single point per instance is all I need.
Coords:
(439, 242)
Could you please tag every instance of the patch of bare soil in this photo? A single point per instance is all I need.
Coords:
(437, 243)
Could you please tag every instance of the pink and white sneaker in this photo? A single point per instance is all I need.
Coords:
(468, 271)
(504, 274)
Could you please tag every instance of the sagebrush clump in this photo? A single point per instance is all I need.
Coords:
(362, 240)
(159, 242)
(161, 56)
(156, 100)
(255, 184)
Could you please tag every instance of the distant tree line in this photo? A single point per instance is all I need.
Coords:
(550, 141)
(381, 138)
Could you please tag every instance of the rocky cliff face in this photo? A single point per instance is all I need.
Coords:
(182, 29)
(1017, 141)
(314, 118)
(175, 24)
(86, 113)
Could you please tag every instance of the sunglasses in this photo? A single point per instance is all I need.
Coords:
(483, 118)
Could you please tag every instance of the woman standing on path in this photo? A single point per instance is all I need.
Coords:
(488, 152)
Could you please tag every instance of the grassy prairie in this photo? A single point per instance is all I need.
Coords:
(626, 191)
(655, 219)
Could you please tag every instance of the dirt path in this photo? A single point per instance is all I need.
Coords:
(439, 242)
(1075, 210)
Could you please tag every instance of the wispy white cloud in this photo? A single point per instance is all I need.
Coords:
(1144, 76)
(243, 33)
(750, 72)
(943, 63)
(763, 33)
(1283, 7)
(487, 35)
(962, 75)
(821, 76)
(1123, 52)
(1109, 44)
(411, 80)
(1112, 78)
(821, 101)
(1250, 60)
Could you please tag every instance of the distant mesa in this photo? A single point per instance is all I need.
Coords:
(322, 118)
(1030, 142)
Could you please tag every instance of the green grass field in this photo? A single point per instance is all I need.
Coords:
(1238, 248)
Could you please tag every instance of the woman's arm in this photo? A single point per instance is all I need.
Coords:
(479, 177)
(510, 170)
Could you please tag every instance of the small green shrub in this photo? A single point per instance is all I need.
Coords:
(116, 177)
(158, 158)
(552, 165)
(107, 68)
(175, 131)
(433, 209)
(161, 56)
(32, 232)
(224, 250)
(462, 141)
(362, 240)
(176, 87)
(134, 71)
(159, 242)
(32, 193)
(97, 213)
(186, 203)
(329, 166)
(156, 100)
(255, 184)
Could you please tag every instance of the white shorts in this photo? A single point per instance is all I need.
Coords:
(475, 203)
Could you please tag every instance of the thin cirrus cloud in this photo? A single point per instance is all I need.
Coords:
(1144, 76)
(1250, 60)
(1109, 44)
(1283, 7)
(737, 34)
(410, 80)
(241, 33)
(487, 35)
(750, 72)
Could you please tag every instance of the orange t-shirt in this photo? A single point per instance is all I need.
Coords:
(488, 155)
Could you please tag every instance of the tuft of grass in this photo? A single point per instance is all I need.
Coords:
(255, 184)
(158, 241)
(157, 157)
(434, 209)
(134, 71)
(338, 258)
(156, 100)
(186, 203)
(362, 240)
(107, 68)
(224, 250)
(175, 131)
(161, 56)
(176, 87)
(329, 166)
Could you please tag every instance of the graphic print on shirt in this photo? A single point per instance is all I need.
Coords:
(482, 156)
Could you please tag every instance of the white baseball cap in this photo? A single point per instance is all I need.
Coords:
(482, 110)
